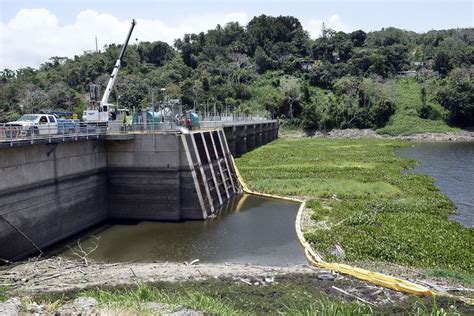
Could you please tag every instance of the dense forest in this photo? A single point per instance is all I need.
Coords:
(272, 66)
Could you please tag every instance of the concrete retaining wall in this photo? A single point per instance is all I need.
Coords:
(143, 177)
(49, 192)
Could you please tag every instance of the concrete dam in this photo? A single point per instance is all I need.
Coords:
(51, 191)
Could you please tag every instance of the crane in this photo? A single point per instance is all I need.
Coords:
(98, 112)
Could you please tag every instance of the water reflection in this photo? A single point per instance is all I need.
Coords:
(452, 165)
(249, 229)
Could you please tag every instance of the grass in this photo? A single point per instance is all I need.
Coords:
(373, 210)
(291, 295)
(3, 293)
(406, 121)
(222, 298)
(466, 279)
(135, 298)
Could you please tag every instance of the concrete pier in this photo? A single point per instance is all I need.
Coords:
(49, 192)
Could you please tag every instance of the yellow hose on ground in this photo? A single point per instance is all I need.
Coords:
(316, 260)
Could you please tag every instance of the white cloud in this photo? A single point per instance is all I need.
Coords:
(34, 35)
(315, 26)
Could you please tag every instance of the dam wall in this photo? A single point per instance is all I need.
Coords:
(169, 176)
(49, 192)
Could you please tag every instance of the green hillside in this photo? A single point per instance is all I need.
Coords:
(271, 66)
(409, 107)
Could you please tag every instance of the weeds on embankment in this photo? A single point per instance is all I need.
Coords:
(361, 200)
(294, 296)
(408, 101)
(3, 293)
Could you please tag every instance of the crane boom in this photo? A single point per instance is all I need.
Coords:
(105, 98)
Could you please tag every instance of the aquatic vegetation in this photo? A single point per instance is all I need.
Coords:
(373, 210)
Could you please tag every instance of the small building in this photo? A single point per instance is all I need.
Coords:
(407, 73)
(307, 64)
(422, 63)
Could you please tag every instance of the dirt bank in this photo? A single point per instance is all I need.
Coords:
(59, 275)
(440, 137)
(58, 278)
(353, 133)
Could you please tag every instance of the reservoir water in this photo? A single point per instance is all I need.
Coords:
(452, 165)
(249, 229)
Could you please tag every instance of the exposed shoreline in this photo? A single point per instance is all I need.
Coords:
(50, 277)
(46, 280)
(353, 133)
(60, 274)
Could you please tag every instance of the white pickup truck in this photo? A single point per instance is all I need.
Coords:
(32, 124)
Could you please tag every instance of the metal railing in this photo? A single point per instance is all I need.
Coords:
(11, 135)
(148, 127)
(232, 117)
(216, 121)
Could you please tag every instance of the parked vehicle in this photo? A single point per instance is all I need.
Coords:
(32, 124)
(68, 126)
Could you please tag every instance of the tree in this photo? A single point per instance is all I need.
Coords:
(322, 75)
(157, 53)
(262, 60)
(358, 38)
(396, 56)
(291, 88)
(457, 96)
(442, 63)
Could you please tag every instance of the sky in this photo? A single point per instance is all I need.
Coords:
(31, 31)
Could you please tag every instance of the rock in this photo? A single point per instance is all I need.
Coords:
(186, 312)
(85, 302)
(270, 280)
(34, 308)
(338, 251)
(80, 306)
(159, 308)
(352, 133)
(10, 307)
(326, 276)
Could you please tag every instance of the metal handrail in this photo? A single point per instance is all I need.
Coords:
(67, 131)
(11, 135)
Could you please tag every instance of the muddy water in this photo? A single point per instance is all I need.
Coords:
(249, 229)
(452, 165)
